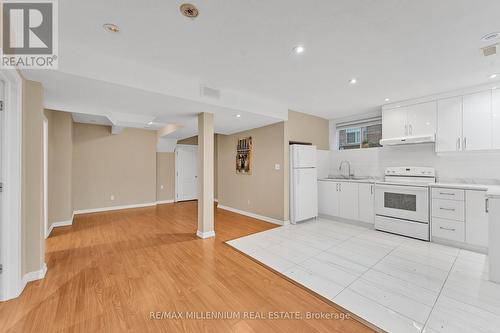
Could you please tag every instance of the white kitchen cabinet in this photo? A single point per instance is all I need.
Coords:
(366, 203)
(421, 119)
(394, 123)
(328, 198)
(348, 200)
(495, 111)
(477, 121)
(413, 120)
(476, 218)
(449, 125)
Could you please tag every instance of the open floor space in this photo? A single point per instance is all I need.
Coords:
(109, 271)
(399, 284)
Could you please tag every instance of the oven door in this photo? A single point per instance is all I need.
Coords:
(402, 201)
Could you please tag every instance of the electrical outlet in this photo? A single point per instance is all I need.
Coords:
(161, 187)
(112, 197)
(249, 202)
(277, 166)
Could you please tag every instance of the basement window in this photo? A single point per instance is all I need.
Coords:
(359, 134)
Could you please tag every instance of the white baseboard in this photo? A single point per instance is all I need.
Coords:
(59, 224)
(35, 275)
(106, 209)
(255, 216)
(162, 202)
(206, 234)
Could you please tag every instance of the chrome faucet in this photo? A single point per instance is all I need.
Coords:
(349, 170)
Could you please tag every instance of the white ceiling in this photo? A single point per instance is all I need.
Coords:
(398, 49)
(93, 101)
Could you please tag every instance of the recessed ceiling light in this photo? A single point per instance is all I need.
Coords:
(387, 99)
(490, 36)
(150, 123)
(299, 49)
(353, 81)
(492, 76)
(494, 88)
(109, 27)
(238, 116)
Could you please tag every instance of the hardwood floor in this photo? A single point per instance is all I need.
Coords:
(109, 271)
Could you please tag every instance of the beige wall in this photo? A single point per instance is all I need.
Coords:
(262, 192)
(165, 176)
(122, 165)
(32, 239)
(60, 166)
(308, 129)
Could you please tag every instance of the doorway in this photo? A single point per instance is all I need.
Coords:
(186, 172)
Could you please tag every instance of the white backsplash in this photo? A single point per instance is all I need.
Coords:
(471, 167)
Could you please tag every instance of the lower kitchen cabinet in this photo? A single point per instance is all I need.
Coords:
(328, 198)
(460, 216)
(476, 218)
(342, 199)
(348, 200)
(366, 203)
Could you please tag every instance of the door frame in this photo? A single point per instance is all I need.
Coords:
(177, 168)
(45, 177)
(11, 283)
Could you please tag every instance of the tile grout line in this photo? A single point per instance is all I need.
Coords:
(441, 290)
(369, 268)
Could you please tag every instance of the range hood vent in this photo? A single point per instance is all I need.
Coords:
(408, 140)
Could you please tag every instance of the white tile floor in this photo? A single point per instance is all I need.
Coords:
(397, 283)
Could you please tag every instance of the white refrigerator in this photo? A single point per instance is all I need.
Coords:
(303, 183)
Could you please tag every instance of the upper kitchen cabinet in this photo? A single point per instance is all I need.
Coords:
(495, 110)
(477, 125)
(449, 125)
(413, 120)
(394, 123)
(422, 119)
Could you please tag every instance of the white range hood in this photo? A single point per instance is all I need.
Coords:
(408, 140)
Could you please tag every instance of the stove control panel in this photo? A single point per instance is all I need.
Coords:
(410, 171)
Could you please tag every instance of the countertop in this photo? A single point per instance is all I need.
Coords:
(491, 190)
(367, 180)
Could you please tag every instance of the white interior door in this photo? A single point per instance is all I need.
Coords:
(186, 162)
(2, 140)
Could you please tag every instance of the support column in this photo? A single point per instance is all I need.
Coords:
(205, 175)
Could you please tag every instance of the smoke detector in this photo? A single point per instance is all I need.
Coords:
(189, 10)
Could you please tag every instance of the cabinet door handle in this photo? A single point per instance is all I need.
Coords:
(449, 229)
(340, 187)
(444, 193)
(448, 209)
(411, 129)
(465, 143)
(337, 187)
(487, 205)
(458, 143)
(371, 189)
